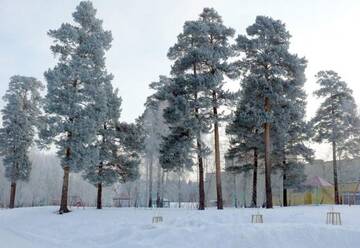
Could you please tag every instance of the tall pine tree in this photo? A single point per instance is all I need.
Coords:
(71, 100)
(200, 61)
(245, 131)
(20, 118)
(189, 105)
(266, 65)
(336, 121)
(215, 54)
(290, 130)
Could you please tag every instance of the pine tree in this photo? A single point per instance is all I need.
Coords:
(155, 128)
(188, 109)
(199, 57)
(215, 54)
(71, 100)
(290, 151)
(245, 131)
(186, 127)
(129, 147)
(265, 64)
(336, 121)
(109, 144)
(20, 118)
(290, 130)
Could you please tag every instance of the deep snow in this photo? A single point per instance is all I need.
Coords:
(290, 227)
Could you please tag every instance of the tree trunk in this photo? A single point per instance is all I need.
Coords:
(269, 203)
(254, 186)
(12, 194)
(99, 188)
(235, 193)
(179, 190)
(146, 183)
(64, 192)
(99, 196)
(158, 197)
(219, 201)
(200, 160)
(150, 182)
(201, 178)
(162, 189)
(336, 185)
(285, 200)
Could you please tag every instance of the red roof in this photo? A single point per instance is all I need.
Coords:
(317, 182)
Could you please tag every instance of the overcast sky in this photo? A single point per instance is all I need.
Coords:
(326, 32)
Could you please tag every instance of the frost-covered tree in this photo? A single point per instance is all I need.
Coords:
(290, 149)
(72, 91)
(188, 103)
(20, 118)
(107, 112)
(266, 63)
(154, 129)
(199, 56)
(130, 146)
(215, 52)
(246, 137)
(336, 121)
(176, 145)
(290, 130)
(117, 161)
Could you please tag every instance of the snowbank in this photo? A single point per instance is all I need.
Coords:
(291, 227)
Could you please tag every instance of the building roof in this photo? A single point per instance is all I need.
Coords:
(317, 181)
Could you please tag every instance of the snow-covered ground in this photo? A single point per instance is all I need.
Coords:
(128, 227)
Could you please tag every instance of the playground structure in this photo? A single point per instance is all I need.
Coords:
(321, 188)
(122, 200)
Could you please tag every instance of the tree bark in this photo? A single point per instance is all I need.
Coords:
(254, 186)
(285, 200)
(200, 160)
(64, 192)
(235, 192)
(162, 189)
(150, 182)
(12, 194)
(146, 184)
(99, 196)
(201, 179)
(219, 201)
(269, 203)
(99, 188)
(336, 185)
(158, 197)
(179, 190)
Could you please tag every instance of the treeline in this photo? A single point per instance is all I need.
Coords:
(79, 114)
(265, 119)
(267, 115)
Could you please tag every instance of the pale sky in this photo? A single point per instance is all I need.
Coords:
(326, 32)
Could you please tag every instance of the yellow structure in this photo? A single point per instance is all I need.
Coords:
(324, 195)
